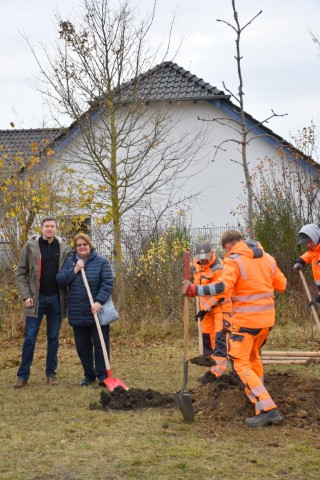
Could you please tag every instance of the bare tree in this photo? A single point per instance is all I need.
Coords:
(126, 144)
(241, 126)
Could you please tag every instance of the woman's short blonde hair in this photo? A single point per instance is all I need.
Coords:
(84, 237)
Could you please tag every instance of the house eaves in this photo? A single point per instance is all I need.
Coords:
(259, 129)
(178, 99)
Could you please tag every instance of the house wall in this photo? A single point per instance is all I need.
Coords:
(217, 174)
(217, 178)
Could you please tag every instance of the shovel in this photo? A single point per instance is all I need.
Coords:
(313, 308)
(183, 399)
(111, 383)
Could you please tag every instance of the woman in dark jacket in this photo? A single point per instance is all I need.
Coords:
(80, 313)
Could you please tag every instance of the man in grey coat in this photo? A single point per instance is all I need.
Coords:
(41, 258)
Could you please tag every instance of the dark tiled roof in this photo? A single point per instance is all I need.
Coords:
(27, 142)
(168, 81)
(164, 82)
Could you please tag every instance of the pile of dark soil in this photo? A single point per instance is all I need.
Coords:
(133, 399)
(224, 402)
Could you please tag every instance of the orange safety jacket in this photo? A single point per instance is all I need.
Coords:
(313, 257)
(250, 276)
(205, 274)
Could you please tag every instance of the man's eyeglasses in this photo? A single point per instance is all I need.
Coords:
(81, 245)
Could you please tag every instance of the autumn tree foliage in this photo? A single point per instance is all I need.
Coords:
(32, 187)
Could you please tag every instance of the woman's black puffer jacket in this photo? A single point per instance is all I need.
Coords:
(100, 279)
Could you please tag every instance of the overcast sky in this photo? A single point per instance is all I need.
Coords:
(281, 64)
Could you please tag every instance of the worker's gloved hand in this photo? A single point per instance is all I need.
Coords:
(200, 315)
(297, 266)
(315, 300)
(189, 289)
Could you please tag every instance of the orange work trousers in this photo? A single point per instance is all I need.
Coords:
(214, 339)
(244, 354)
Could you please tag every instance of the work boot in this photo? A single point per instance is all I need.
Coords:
(203, 361)
(20, 383)
(52, 380)
(271, 417)
(207, 377)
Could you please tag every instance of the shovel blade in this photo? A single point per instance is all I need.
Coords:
(115, 384)
(184, 402)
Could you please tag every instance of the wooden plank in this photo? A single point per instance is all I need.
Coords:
(294, 353)
(275, 361)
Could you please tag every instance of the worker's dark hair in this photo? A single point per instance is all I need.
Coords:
(47, 219)
(229, 236)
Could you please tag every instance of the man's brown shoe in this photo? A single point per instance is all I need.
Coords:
(52, 380)
(21, 382)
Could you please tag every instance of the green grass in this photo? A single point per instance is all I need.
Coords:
(50, 432)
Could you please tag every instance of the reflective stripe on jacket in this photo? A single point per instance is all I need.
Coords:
(205, 274)
(250, 276)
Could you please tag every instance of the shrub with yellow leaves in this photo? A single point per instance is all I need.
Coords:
(152, 280)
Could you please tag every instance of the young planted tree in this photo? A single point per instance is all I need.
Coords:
(244, 132)
(96, 79)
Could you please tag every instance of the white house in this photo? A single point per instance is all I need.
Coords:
(192, 104)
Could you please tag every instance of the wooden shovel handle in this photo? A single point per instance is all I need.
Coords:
(103, 344)
(187, 265)
(186, 312)
(313, 308)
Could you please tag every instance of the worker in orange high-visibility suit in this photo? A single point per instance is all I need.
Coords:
(207, 268)
(250, 276)
(310, 236)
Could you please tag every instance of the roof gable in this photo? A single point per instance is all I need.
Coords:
(168, 81)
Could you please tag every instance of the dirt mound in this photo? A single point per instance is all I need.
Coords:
(224, 401)
(133, 399)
